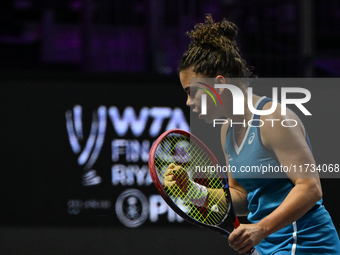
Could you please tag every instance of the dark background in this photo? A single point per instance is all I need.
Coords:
(56, 54)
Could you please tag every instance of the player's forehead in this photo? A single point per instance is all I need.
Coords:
(186, 76)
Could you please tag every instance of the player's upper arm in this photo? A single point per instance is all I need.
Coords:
(289, 144)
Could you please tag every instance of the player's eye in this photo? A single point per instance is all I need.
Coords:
(192, 92)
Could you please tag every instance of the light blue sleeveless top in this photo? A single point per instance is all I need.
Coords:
(266, 189)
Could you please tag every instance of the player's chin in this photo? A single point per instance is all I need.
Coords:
(207, 119)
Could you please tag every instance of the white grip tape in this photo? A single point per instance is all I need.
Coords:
(197, 194)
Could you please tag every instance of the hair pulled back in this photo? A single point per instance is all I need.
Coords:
(213, 50)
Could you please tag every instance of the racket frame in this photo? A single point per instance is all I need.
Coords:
(153, 172)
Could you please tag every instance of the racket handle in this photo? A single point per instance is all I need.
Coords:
(234, 219)
(236, 224)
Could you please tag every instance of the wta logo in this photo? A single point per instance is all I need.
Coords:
(204, 97)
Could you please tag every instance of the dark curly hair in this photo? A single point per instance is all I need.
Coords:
(213, 50)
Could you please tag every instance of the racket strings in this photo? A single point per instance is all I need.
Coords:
(196, 166)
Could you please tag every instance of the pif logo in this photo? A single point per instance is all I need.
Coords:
(238, 99)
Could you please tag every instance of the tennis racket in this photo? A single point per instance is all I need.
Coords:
(195, 172)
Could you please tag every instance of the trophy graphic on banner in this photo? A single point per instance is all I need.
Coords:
(94, 143)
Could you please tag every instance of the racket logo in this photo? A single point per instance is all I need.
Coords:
(89, 153)
(251, 138)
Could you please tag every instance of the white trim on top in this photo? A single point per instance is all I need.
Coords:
(238, 149)
(294, 238)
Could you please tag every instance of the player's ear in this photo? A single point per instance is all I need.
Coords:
(219, 79)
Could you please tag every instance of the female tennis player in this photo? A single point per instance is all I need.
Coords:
(286, 215)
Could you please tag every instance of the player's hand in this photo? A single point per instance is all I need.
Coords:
(176, 176)
(246, 236)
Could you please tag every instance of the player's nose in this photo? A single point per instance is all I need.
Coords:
(190, 102)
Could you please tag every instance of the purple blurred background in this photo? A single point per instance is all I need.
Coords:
(141, 38)
(279, 38)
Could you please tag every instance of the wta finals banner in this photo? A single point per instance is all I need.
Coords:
(76, 152)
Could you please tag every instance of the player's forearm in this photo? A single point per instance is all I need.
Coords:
(240, 202)
(298, 202)
(217, 197)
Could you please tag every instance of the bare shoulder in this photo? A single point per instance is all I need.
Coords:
(277, 127)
